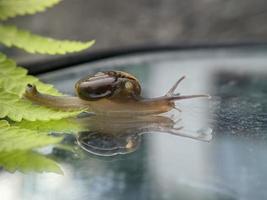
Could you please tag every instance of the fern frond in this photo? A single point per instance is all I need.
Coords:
(16, 146)
(11, 36)
(12, 8)
(14, 79)
(67, 125)
(16, 138)
(27, 161)
(15, 108)
(4, 124)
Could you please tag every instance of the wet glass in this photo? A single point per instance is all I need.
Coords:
(164, 166)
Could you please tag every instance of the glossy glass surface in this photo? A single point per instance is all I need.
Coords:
(232, 166)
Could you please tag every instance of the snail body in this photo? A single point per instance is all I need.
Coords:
(109, 93)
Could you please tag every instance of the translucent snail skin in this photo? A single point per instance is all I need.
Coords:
(114, 93)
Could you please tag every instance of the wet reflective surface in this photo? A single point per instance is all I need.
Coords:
(110, 136)
(165, 166)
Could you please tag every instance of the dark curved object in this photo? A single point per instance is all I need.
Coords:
(80, 58)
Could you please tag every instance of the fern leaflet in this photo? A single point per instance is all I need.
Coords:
(12, 8)
(11, 36)
(67, 125)
(16, 146)
(27, 161)
(16, 138)
(16, 109)
(14, 79)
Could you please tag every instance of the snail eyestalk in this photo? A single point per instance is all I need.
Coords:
(170, 95)
(174, 87)
(66, 103)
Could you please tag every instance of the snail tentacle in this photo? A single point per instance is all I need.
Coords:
(171, 96)
(173, 88)
(57, 102)
(181, 97)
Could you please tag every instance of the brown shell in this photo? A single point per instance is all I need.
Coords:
(109, 84)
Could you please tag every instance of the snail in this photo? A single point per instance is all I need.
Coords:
(113, 93)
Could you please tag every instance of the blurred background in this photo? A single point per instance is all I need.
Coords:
(121, 24)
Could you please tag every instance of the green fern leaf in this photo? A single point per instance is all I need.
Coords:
(27, 161)
(12, 8)
(4, 124)
(16, 153)
(11, 36)
(16, 138)
(68, 125)
(15, 108)
(14, 79)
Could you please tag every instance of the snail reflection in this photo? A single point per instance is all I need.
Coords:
(120, 113)
(112, 136)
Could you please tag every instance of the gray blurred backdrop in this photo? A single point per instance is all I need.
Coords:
(116, 24)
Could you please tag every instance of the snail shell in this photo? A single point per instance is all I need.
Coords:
(110, 84)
